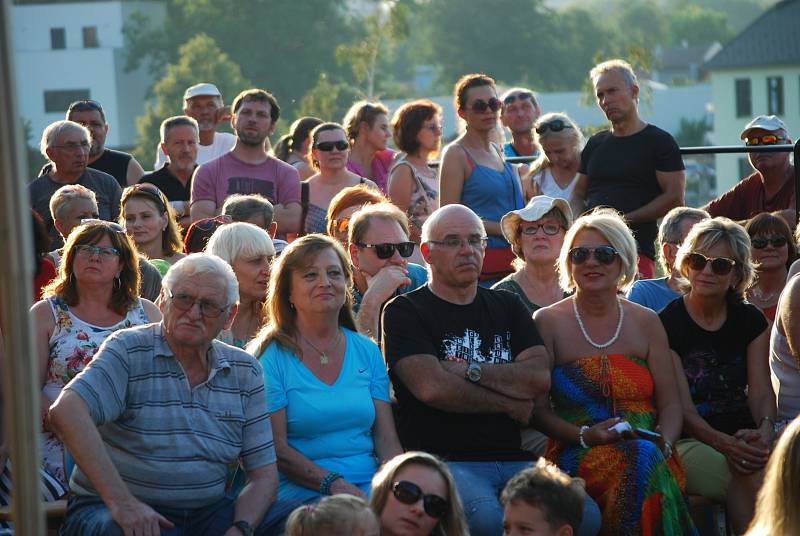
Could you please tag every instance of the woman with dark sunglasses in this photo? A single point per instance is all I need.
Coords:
(474, 173)
(721, 346)
(330, 150)
(612, 386)
(414, 494)
(774, 251)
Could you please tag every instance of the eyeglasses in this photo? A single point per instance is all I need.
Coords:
(409, 493)
(341, 225)
(72, 147)
(719, 265)
(105, 253)
(475, 242)
(115, 227)
(556, 125)
(776, 241)
(766, 139)
(328, 146)
(480, 105)
(184, 302)
(147, 189)
(602, 254)
(548, 228)
(386, 249)
(525, 95)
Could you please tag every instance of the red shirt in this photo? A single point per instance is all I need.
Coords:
(748, 198)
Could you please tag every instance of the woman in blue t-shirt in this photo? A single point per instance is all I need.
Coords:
(327, 386)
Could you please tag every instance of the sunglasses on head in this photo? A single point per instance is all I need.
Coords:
(328, 146)
(115, 227)
(776, 241)
(207, 224)
(766, 139)
(719, 265)
(480, 105)
(386, 250)
(602, 254)
(525, 95)
(409, 493)
(148, 190)
(556, 125)
(87, 105)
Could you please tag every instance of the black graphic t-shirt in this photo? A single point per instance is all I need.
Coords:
(494, 329)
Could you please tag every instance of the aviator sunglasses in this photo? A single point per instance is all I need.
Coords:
(556, 125)
(386, 249)
(602, 254)
(480, 105)
(719, 265)
(776, 241)
(524, 95)
(409, 493)
(328, 146)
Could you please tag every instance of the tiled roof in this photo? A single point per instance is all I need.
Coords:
(773, 39)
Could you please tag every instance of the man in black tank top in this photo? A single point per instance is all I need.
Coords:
(119, 165)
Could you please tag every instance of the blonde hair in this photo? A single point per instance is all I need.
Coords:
(362, 112)
(65, 195)
(239, 239)
(338, 515)
(609, 223)
(572, 135)
(361, 220)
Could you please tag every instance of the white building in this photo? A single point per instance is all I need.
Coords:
(65, 52)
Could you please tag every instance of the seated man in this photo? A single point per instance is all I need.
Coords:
(379, 250)
(771, 187)
(465, 362)
(154, 421)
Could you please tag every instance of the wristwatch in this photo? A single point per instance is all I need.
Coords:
(244, 527)
(473, 373)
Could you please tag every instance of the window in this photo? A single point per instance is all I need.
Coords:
(744, 101)
(58, 38)
(58, 100)
(775, 95)
(90, 37)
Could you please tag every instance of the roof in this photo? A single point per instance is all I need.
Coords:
(677, 57)
(772, 39)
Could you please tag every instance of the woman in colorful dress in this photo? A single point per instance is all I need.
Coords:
(612, 368)
(95, 294)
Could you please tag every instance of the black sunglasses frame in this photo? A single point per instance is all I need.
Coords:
(480, 106)
(602, 254)
(328, 146)
(385, 250)
(524, 95)
(409, 493)
(776, 242)
(556, 125)
(719, 265)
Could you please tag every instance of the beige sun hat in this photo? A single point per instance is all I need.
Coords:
(537, 207)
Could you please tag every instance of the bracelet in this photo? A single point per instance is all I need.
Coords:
(667, 449)
(325, 485)
(768, 419)
(580, 437)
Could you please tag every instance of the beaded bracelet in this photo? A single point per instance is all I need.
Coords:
(580, 436)
(325, 485)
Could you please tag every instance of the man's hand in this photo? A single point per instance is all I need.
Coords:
(382, 285)
(136, 518)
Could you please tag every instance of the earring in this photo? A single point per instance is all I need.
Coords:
(117, 283)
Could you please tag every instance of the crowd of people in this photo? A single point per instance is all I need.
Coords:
(335, 337)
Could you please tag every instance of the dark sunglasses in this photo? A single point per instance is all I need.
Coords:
(328, 146)
(556, 125)
(602, 254)
(386, 250)
(719, 265)
(149, 190)
(525, 95)
(409, 493)
(776, 241)
(115, 227)
(766, 139)
(480, 105)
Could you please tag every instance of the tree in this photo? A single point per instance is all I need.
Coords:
(199, 59)
(698, 26)
(327, 100)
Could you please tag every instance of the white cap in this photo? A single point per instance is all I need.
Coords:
(764, 122)
(203, 89)
(536, 208)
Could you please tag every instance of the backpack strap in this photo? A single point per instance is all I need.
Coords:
(304, 195)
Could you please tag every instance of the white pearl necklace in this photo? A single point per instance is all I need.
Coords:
(597, 345)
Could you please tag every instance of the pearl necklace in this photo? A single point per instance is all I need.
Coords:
(612, 340)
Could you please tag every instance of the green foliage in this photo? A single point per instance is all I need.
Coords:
(327, 100)
(692, 133)
(698, 26)
(34, 157)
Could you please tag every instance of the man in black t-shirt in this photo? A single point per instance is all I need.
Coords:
(465, 362)
(633, 167)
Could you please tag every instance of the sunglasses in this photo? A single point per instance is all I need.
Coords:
(409, 493)
(386, 250)
(719, 265)
(548, 228)
(602, 254)
(85, 106)
(776, 241)
(766, 139)
(480, 105)
(328, 146)
(150, 191)
(556, 125)
(525, 95)
(115, 227)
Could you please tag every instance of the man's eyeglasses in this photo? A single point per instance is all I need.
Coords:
(409, 493)
(184, 302)
(719, 265)
(104, 253)
(776, 241)
(602, 254)
(115, 227)
(556, 125)
(766, 139)
(386, 249)
(548, 228)
(524, 95)
(328, 146)
(475, 242)
(480, 105)
(83, 146)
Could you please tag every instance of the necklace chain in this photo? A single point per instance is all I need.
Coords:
(586, 336)
(323, 356)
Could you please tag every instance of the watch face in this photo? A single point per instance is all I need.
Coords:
(474, 373)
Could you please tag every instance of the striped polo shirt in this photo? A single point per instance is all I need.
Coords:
(171, 443)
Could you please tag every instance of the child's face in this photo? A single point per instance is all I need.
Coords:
(522, 519)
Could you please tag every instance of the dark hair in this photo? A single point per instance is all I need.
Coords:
(362, 112)
(352, 196)
(772, 223)
(200, 231)
(171, 241)
(241, 207)
(258, 95)
(87, 105)
(467, 82)
(408, 121)
(41, 240)
(323, 127)
(298, 133)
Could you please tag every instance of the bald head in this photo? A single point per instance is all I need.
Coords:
(447, 216)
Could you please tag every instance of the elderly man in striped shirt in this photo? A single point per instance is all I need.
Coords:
(154, 421)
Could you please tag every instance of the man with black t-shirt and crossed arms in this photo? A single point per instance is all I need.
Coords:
(633, 167)
(465, 362)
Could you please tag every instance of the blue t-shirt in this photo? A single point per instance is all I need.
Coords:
(652, 293)
(510, 152)
(331, 425)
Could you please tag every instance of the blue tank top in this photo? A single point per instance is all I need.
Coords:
(491, 194)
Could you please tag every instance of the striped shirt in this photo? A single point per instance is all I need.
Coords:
(172, 443)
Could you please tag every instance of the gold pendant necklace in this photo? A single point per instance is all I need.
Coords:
(323, 356)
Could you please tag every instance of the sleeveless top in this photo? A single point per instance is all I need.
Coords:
(424, 196)
(381, 163)
(115, 163)
(784, 369)
(314, 218)
(491, 194)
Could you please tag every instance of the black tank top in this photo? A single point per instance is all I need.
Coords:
(115, 163)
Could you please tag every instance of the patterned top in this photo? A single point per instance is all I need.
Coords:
(423, 199)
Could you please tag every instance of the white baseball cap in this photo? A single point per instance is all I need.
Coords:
(536, 208)
(764, 122)
(204, 89)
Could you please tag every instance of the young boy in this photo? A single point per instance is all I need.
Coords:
(542, 501)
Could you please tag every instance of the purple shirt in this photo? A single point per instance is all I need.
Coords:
(381, 164)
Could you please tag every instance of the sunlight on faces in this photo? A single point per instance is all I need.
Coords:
(381, 230)
(769, 162)
(614, 96)
(253, 272)
(203, 109)
(92, 120)
(331, 160)
(520, 115)
(454, 267)
(770, 257)
(78, 209)
(69, 160)
(321, 286)
(252, 122)
(705, 282)
(430, 135)
(560, 152)
(481, 121)
(379, 133)
(399, 519)
(541, 248)
(341, 235)
(93, 268)
(592, 274)
(191, 328)
(181, 146)
(143, 220)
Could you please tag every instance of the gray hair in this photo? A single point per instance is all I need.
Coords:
(54, 130)
(203, 263)
(617, 65)
(65, 195)
(242, 207)
(669, 232)
(177, 121)
(239, 239)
